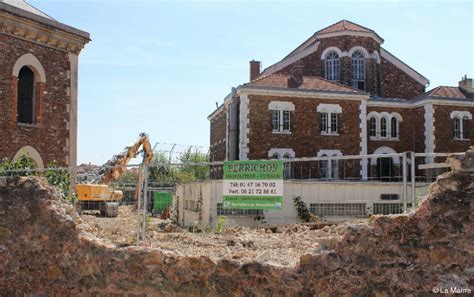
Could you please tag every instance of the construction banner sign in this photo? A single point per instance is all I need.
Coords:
(253, 184)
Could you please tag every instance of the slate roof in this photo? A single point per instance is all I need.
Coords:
(309, 83)
(23, 5)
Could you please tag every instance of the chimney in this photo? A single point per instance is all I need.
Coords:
(296, 75)
(254, 69)
(466, 85)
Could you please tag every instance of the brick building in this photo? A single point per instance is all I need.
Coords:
(38, 85)
(340, 93)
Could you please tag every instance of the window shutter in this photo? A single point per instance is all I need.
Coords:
(467, 126)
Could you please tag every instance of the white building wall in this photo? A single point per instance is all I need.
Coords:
(310, 192)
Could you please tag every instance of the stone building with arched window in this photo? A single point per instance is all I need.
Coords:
(38, 85)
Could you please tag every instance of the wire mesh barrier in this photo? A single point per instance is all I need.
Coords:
(191, 193)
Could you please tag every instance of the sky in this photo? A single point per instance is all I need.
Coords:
(160, 66)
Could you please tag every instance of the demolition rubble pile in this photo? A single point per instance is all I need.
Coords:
(278, 246)
(44, 250)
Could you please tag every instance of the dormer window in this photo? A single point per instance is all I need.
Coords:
(332, 66)
(358, 70)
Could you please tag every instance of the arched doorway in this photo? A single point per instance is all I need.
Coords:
(32, 153)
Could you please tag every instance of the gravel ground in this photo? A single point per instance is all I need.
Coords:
(281, 245)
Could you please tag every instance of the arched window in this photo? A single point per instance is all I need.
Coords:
(373, 127)
(332, 66)
(383, 127)
(358, 70)
(25, 98)
(394, 128)
(276, 156)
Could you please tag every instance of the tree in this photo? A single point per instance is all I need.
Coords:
(162, 171)
(198, 172)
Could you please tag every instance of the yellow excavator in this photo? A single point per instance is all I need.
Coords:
(99, 196)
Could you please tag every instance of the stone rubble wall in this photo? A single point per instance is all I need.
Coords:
(44, 252)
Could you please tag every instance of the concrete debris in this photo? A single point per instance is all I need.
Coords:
(46, 250)
(282, 245)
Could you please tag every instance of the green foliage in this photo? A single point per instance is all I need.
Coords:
(302, 209)
(221, 224)
(24, 166)
(59, 178)
(19, 167)
(163, 172)
(199, 206)
(198, 172)
(128, 178)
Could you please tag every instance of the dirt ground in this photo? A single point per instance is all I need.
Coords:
(281, 245)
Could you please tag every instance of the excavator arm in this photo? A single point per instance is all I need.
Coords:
(116, 167)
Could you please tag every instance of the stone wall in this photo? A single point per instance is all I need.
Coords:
(44, 251)
(49, 134)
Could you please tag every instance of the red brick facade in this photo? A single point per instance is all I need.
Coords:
(305, 137)
(49, 50)
(392, 90)
(444, 139)
(51, 99)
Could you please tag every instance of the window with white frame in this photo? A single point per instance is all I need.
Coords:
(373, 127)
(384, 125)
(323, 123)
(275, 120)
(358, 71)
(462, 124)
(331, 66)
(283, 153)
(329, 168)
(457, 128)
(329, 121)
(281, 116)
(394, 128)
